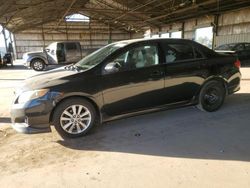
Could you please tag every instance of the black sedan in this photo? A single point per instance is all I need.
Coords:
(241, 50)
(123, 79)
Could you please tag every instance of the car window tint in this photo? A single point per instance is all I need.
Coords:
(178, 52)
(71, 46)
(226, 47)
(138, 57)
(222, 47)
(60, 46)
(239, 47)
(198, 54)
(247, 46)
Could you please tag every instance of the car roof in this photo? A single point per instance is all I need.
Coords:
(130, 41)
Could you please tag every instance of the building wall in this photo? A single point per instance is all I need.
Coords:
(91, 36)
(232, 27)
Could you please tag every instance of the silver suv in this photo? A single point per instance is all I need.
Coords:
(55, 54)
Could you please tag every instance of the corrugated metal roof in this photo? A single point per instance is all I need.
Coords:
(128, 15)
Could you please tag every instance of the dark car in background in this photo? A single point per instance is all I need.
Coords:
(241, 50)
(123, 79)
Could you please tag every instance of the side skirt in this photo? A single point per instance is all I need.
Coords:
(107, 118)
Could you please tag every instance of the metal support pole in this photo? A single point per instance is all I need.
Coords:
(215, 29)
(183, 30)
(5, 40)
(43, 37)
(90, 36)
(110, 35)
(13, 46)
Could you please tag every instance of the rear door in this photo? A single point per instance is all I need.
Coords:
(73, 52)
(138, 84)
(184, 73)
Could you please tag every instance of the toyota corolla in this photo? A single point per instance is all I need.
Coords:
(123, 79)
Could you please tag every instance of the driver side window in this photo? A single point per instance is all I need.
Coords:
(137, 57)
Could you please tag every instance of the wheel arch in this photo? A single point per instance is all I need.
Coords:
(98, 112)
(216, 78)
(37, 57)
(219, 79)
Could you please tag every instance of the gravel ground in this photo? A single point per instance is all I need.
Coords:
(176, 148)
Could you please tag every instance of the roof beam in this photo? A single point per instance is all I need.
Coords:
(182, 10)
(65, 13)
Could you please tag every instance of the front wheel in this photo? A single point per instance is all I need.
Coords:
(38, 65)
(211, 96)
(74, 117)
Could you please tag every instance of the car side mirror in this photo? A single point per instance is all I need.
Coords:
(112, 67)
(52, 52)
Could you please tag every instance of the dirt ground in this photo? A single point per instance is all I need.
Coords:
(176, 148)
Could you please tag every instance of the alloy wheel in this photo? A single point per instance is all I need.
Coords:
(38, 65)
(75, 119)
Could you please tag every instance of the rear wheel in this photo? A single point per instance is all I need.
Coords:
(74, 117)
(38, 64)
(211, 96)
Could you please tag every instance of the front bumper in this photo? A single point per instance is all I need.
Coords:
(26, 64)
(32, 117)
(25, 128)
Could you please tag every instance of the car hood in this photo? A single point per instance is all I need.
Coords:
(46, 80)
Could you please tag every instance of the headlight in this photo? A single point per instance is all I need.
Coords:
(29, 95)
(25, 56)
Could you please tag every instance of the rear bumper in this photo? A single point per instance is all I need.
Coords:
(233, 89)
(234, 83)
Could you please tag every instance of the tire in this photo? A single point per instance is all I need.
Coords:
(68, 121)
(38, 64)
(211, 96)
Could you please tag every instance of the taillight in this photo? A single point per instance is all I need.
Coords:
(237, 64)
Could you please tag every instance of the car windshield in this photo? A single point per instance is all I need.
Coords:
(226, 47)
(98, 56)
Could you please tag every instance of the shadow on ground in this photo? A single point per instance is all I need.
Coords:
(185, 132)
(22, 67)
(15, 67)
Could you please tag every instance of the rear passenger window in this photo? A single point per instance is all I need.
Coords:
(198, 55)
(247, 46)
(71, 46)
(239, 47)
(178, 52)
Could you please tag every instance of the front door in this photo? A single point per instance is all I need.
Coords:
(137, 85)
(60, 53)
